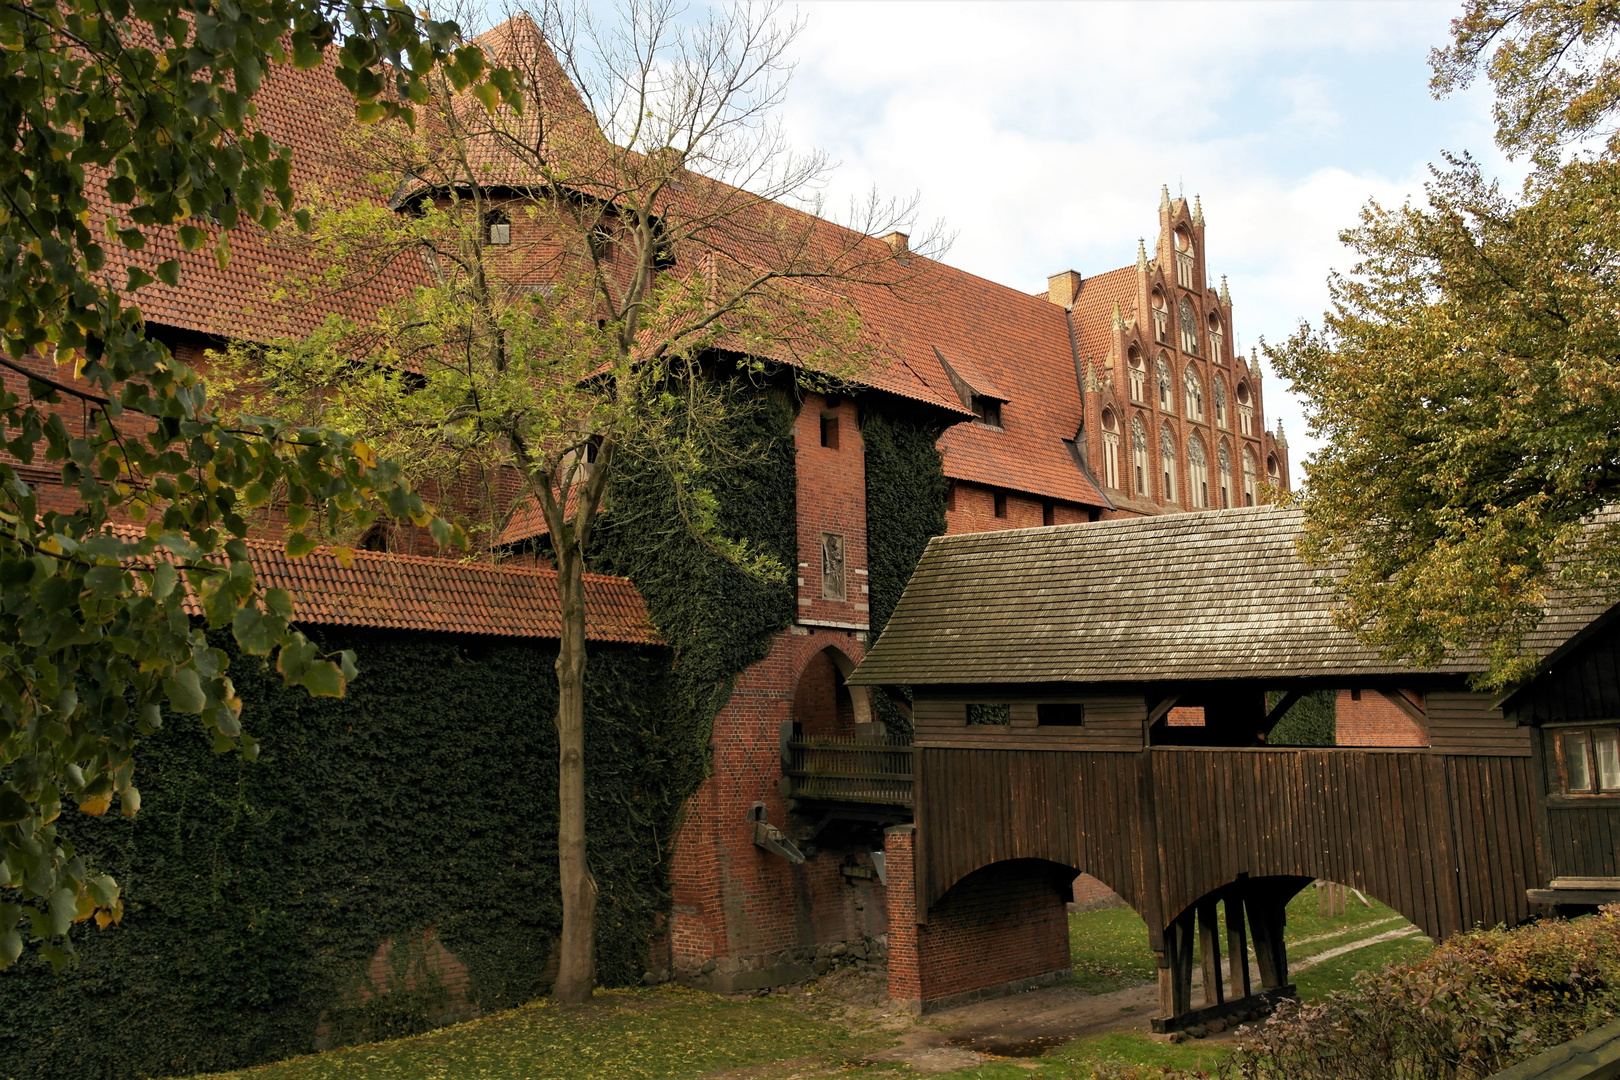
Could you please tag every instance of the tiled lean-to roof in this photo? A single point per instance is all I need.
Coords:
(412, 592)
(1215, 595)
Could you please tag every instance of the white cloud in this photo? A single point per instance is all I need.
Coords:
(1041, 132)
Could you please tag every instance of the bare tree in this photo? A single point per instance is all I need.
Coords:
(641, 215)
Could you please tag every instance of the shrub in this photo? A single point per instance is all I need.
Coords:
(1478, 1004)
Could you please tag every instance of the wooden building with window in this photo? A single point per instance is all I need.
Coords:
(1044, 667)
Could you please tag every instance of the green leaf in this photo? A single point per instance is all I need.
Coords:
(11, 944)
(13, 807)
(185, 692)
(323, 679)
(63, 904)
(256, 632)
(136, 279)
(168, 272)
(105, 582)
(164, 578)
(299, 545)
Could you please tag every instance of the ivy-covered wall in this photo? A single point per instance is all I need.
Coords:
(717, 617)
(259, 894)
(419, 811)
(1310, 721)
(905, 508)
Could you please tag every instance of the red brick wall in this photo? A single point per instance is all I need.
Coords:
(1371, 719)
(1003, 924)
(972, 508)
(821, 703)
(832, 498)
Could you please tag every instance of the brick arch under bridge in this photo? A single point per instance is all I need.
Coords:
(1447, 840)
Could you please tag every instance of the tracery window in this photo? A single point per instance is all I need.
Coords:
(1167, 456)
(1161, 319)
(1138, 373)
(1197, 473)
(1139, 457)
(1165, 383)
(1220, 403)
(1195, 393)
(1189, 327)
(1110, 449)
(1245, 410)
(1251, 477)
(1184, 258)
(1217, 340)
(1223, 461)
(1273, 473)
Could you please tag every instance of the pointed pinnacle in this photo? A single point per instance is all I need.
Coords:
(1141, 254)
(1226, 296)
(1282, 440)
(1164, 198)
(1198, 211)
(1119, 318)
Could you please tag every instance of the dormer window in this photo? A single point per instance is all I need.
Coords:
(499, 227)
(988, 410)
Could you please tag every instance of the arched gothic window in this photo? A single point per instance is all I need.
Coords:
(1165, 384)
(1167, 456)
(1251, 478)
(1195, 393)
(1273, 474)
(1217, 340)
(1197, 473)
(1138, 373)
(1139, 457)
(1223, 461)
(1189, 327)
(1161, 318)
(1184, 258)
(1220, 403)
(1245, 410)
(1110, 437)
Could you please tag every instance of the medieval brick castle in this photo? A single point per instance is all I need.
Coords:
(1105, 395)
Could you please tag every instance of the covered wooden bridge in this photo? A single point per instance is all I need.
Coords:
(1046, 667)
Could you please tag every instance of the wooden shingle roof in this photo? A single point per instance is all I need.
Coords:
(1214, 595)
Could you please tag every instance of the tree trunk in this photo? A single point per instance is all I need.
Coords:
(576, 974)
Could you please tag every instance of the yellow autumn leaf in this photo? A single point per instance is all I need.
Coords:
(345, 555)
(97, 806)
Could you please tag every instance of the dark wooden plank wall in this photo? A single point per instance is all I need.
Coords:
(1584, 841)
(1585, 685)
(1447, 841)
(1111, 723)
(1465, 723)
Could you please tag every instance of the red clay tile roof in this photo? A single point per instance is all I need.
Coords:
(413, 592)
(1015, 344)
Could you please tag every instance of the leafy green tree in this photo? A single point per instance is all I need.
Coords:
(592, 257)
(1466, 379)
(119, 119)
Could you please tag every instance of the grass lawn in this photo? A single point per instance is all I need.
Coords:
(667, 1033)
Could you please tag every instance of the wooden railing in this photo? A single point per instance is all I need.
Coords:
(850, 770)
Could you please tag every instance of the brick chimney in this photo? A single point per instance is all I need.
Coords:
(899, 242)
(1062, 288)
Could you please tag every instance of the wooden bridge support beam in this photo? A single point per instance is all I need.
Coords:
(1237, 946)
(1266, 917)
(1209, 948)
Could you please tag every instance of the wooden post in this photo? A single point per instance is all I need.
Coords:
(1178, 940)
(1237, 947)
(1259, 909)
(1209, 946)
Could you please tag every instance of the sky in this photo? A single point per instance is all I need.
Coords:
(1041, 133)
